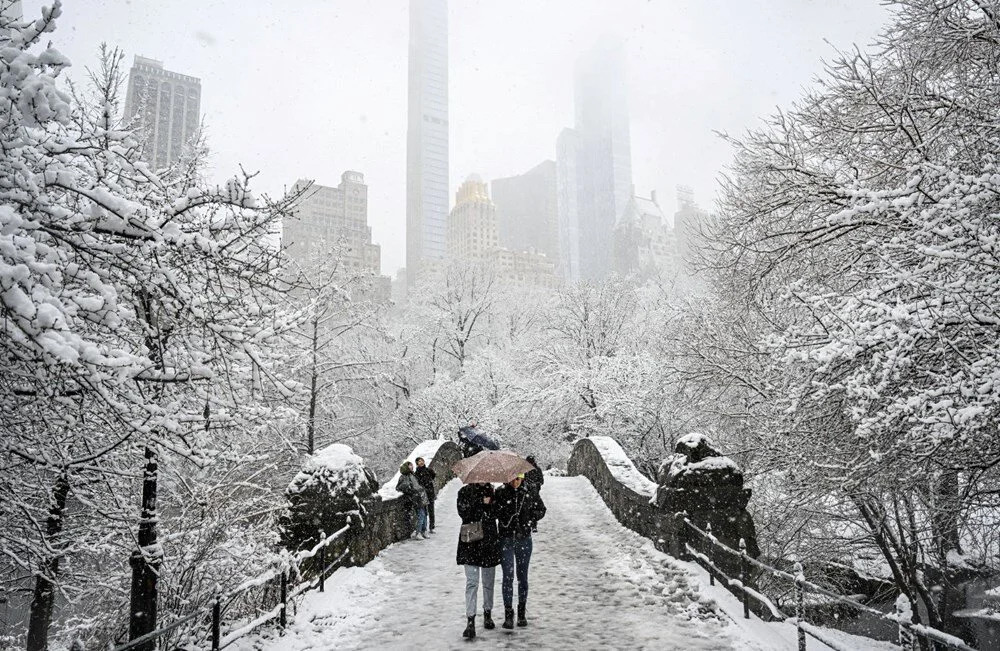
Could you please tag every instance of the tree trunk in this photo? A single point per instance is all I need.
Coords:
(145, 562)
(945, 505)
(313, 398)
(44, 598)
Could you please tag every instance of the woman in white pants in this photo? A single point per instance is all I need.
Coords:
(478, 551)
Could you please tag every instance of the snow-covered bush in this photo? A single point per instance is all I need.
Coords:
(331, 487)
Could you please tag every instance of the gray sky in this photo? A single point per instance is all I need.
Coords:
(310, 88)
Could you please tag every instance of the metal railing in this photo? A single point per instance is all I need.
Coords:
(285, 565)
(910, 634)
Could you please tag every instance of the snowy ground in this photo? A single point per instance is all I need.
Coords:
(594, 584)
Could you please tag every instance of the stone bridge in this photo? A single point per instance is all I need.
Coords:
(608, 568)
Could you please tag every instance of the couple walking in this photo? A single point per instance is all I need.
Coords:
(496, 530)
(417, 487)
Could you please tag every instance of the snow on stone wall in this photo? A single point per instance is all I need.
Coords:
(621, 466)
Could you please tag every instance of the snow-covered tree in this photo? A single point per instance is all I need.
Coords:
(858, 232)
(136, 306)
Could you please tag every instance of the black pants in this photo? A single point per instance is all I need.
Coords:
(430, 513)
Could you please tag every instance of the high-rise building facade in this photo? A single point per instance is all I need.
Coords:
(472, 223)
(427, 137)
(688, 222)
(333, 218)
(599, 152)
(167, 106)
(644, 243)
(473, 237)
(526, 210)
(567, 214)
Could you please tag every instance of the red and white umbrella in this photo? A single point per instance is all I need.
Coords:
(491, 466)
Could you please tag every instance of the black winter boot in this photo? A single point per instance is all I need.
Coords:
(521, 620)
(470, 630)
(488, 620)
(508, 618)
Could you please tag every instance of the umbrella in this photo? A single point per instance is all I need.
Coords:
(475, 437)
(491, 466)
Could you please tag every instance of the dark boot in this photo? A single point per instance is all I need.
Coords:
(521, 619)
(470, 630)
(508, 618)
(488, 620)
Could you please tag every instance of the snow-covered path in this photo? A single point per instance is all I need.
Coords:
(594, 584)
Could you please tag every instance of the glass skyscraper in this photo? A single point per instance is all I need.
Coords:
(602, 161)
(427, 138)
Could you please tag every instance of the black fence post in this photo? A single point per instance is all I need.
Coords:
(800, 609)
(745, 577)
(680, 535)
(283, 620)
(216, 623)
(711, 573)
(322, 568)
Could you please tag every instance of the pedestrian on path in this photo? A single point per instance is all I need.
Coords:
(516, 508)
(478, 551)
(533, 480)
(416, 498)
(426, 477)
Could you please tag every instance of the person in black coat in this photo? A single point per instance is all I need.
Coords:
(533, 480)
(480, 556)
(517, 508)
(425, 476)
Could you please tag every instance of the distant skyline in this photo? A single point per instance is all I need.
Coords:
(311, 88)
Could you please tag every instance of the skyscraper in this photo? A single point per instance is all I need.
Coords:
(603, 157)
(168, 105)
(472, 223)
(526, 210)
(644, 242)
(473, 237)
(567, 214)
(334, 216)
(427, 137)
(330, 219)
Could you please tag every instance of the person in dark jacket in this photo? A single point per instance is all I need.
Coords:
(416, 498)
(516, 508)
(426, 477)
(480, 557)
(533, 480)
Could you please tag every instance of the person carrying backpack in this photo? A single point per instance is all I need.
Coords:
(516, 508)
(533, 480)
(416, 498)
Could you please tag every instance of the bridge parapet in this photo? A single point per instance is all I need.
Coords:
(627, 492)
(696, 480)
(321, 500)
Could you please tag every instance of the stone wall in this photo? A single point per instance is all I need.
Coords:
(631, 507)
(633, 501)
